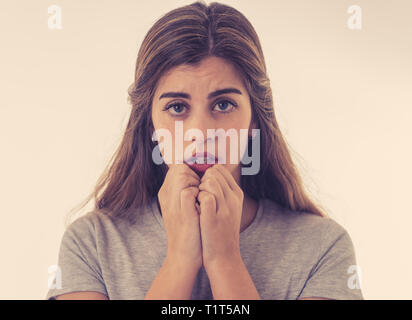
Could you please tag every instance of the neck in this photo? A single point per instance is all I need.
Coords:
(250, 206)
(249, 211)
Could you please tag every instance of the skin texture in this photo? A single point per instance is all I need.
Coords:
(177, 197)
(223, 210)
(202, 113)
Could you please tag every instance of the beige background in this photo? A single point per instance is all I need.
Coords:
(343, 100)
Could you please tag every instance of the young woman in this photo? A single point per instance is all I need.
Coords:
(186, 231)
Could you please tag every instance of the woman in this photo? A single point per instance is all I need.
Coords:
(184, 231)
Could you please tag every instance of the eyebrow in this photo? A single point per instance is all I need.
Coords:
(211, 95)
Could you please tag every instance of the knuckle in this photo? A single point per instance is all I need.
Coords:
(185, 192)
(188, 192)
(213, 170)
(208, 178)
(212, 183)
(195, 191)
(209, 197)
(202, 195)
(208, 173)
(187, 181)
(239, 192)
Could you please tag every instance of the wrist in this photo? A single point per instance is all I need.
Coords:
(181, 265)
(223, 264)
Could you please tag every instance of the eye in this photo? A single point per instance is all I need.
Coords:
(224, 106)
(176, 108)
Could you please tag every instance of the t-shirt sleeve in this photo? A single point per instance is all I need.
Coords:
(336, 274)
(78, 266)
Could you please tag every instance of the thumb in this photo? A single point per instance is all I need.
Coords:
(188, 201)
(207, 206)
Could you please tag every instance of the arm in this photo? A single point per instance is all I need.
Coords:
(173, 281)
(230, 279)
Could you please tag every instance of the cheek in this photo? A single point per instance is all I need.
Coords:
(162, 123)
(164, 130)
(240, 145)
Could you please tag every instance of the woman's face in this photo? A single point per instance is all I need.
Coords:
(197, 109)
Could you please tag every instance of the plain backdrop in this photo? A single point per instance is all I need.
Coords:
(342, 99)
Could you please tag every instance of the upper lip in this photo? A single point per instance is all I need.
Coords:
(204, 155)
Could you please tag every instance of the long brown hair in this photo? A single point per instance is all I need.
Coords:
(187, 35)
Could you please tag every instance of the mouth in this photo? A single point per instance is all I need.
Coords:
(200, 162)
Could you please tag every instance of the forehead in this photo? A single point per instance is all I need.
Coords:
(212, 73)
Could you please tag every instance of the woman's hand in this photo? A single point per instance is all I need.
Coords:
(177, 199)
(221, 203)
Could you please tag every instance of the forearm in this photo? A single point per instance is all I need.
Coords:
(174, 281)
(230, 279)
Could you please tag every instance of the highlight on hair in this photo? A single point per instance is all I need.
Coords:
(187, 35)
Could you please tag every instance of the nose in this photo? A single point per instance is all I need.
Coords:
(200, 123)
(196, 127)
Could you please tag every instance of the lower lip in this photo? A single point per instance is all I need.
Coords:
(201, 168)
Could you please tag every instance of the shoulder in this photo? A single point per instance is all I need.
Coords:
(302, 224)
(93, 229)
(320, 248)
(87, 223)
(99, 224)
(82, 230)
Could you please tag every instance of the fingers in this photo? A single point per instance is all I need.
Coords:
(185, 177)
(188, 194)
(188, 200)
(213, 173)
(207, 204)
(212, 186)
(229, 178)
(218, 181)
(185, 169)
(188, 181)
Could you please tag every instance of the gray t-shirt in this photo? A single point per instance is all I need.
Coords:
(288, 254)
